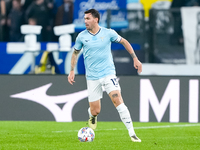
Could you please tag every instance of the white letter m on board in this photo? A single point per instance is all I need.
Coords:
(170, 96)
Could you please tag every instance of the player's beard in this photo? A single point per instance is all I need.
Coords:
(88, 27)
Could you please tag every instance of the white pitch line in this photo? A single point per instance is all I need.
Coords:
(147, 127)
(167, 126)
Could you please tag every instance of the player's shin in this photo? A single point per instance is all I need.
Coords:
(89, 112)
(126, 118)
(92, 122)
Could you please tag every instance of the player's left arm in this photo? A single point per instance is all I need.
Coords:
(137, 64)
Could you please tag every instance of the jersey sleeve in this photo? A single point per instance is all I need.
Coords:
(78, 44)
(114, 37)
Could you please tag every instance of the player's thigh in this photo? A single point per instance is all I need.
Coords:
(111, 83)
(113, 89)
(116, 97)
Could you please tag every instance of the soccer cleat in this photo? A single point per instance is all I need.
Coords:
(134, 138)
(92, 122)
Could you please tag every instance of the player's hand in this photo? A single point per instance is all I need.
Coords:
(137, 65)
(71, 77)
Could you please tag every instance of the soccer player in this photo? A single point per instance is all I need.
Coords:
(100, 69)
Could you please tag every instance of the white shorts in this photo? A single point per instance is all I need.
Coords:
(97, 87)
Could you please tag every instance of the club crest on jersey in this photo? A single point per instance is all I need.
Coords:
(101, 38)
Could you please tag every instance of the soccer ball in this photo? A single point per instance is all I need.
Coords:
(86, 134)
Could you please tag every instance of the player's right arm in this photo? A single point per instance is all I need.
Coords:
(74, 59)
(77, 48)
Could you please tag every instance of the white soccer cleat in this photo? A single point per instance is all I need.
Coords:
(92, 122)
(134, 138)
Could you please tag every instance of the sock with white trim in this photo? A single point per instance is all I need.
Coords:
(89, 112)
(126, 118)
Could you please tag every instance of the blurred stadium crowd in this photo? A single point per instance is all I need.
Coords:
(47, 13)
(160, 35)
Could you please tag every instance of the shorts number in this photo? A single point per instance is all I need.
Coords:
(115, 81)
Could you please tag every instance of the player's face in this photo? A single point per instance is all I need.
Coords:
(90, 21)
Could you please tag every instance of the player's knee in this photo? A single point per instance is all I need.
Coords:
(116, 102)
(116, 98)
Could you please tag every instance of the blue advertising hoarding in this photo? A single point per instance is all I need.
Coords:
(118, 17)
(17, 61)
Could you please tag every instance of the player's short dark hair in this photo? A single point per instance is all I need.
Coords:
(94, 13)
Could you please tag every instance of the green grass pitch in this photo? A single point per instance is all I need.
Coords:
(24, 135)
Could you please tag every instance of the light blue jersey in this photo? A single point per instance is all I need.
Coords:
(97, 52)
